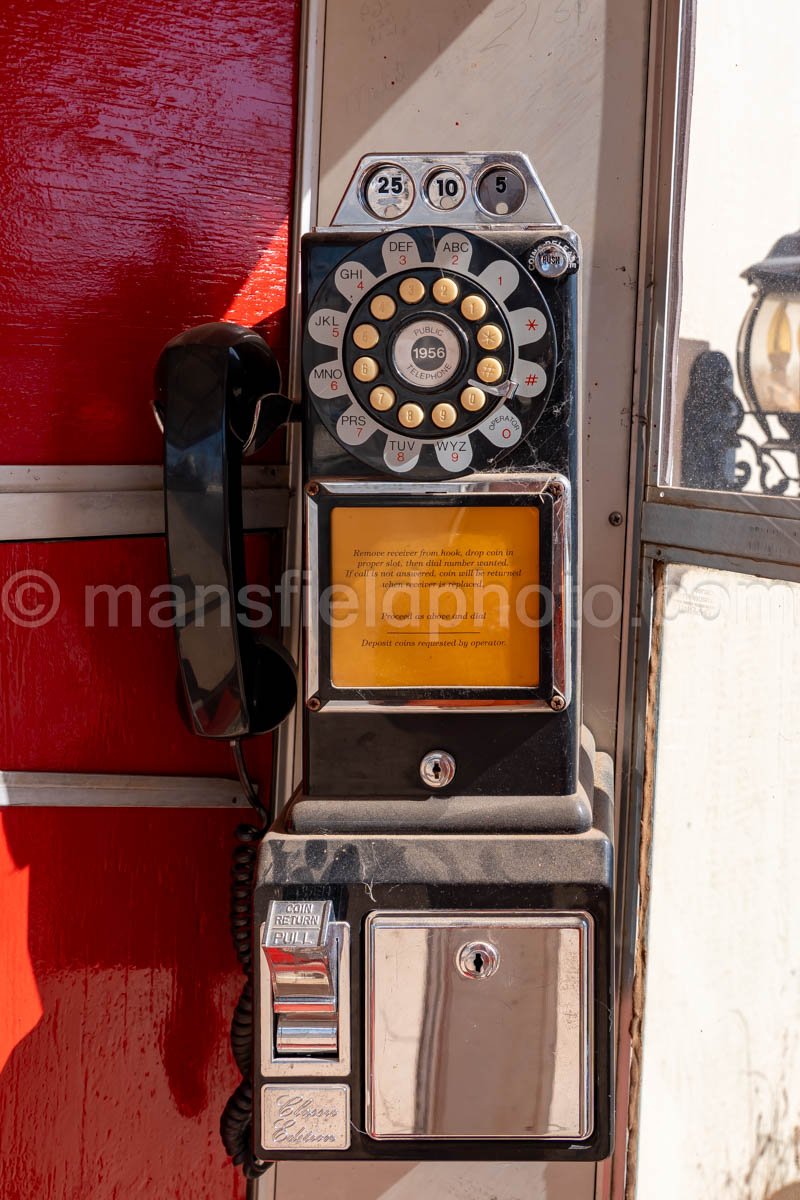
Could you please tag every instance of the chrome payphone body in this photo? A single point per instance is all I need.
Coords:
(433, 915)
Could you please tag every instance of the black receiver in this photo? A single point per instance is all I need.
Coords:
(218, 398)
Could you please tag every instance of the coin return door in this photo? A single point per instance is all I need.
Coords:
(306, 956)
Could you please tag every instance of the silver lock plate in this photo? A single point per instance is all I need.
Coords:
(493, 1042)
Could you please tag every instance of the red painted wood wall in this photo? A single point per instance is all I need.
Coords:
(146, 159)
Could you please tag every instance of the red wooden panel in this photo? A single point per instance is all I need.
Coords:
(117, 978)
(146, 157)
(89, 683)
(117, 985)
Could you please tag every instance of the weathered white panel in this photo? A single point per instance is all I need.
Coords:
(721, 1074)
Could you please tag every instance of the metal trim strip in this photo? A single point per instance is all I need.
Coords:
(42, 789)
(57, 503)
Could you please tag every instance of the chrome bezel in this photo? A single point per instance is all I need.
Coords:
(551, 695)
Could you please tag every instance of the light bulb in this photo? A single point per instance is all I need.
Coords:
(779, 340)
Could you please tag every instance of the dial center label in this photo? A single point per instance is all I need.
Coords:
(427, 353)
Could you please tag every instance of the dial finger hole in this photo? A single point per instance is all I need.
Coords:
(444, 415)
(410, 415)
(490, 337)
(366, 336)
(382, 398)
(412, 290)
(490, 370)
(445, 291)
(473, 399)
(382, 307)
(366, 369)
(473, 308)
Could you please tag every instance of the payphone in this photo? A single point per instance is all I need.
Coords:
(432, 920)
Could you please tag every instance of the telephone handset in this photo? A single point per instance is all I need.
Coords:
(217, 399)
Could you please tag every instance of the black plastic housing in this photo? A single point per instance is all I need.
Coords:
(498, 754)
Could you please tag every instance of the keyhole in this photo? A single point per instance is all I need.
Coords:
(477, 960)
(436, 771)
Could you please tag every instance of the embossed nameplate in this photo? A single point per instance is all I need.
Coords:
(311, 1116)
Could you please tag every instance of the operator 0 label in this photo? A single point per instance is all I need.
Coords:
(435, 596)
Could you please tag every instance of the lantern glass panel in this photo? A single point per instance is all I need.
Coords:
(774, 353)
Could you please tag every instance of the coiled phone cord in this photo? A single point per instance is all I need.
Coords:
(237, 1116)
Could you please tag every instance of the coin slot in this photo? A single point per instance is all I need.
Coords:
(445, 189)
(500, 191)
(389, 192)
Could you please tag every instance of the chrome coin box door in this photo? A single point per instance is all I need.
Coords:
(478, 1024)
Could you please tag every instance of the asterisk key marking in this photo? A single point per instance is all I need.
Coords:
(533, 325)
